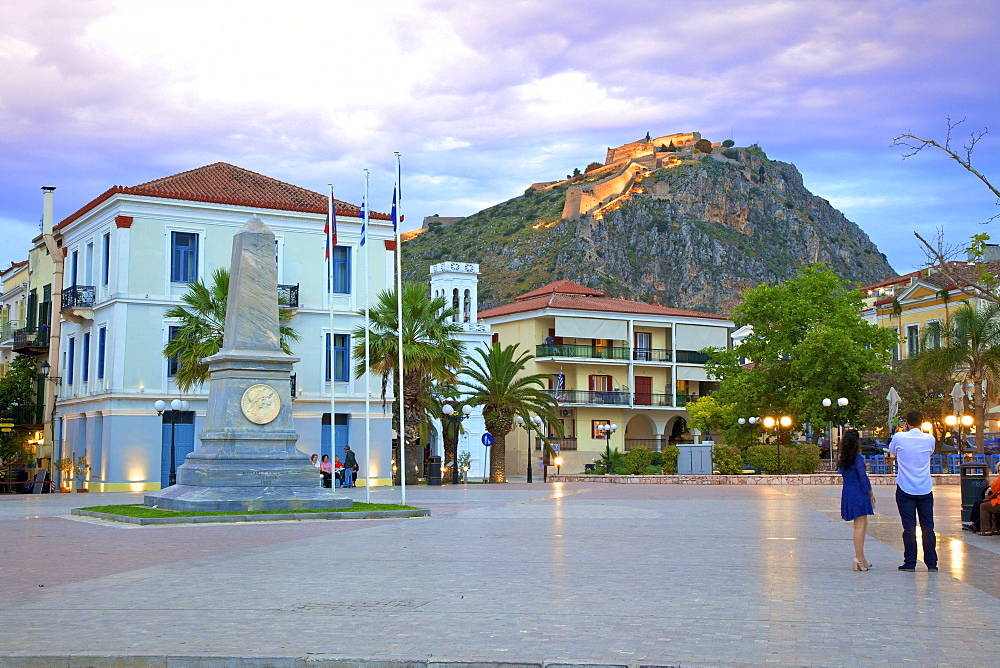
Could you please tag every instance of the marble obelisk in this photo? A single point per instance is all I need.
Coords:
(248, 459)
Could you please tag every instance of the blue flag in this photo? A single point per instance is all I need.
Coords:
(364, 221)
(395, 214)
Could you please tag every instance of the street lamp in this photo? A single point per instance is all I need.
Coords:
(456, 420)
(607, 430)
(537, 421)
(962, 422)
(841, 402)
(558, 462)
(774, 423)
(176, 406)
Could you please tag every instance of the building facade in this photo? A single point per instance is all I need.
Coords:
(132, 253)
(612, 361)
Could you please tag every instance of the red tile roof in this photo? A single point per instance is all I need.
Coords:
(573, 296)
(14, 265)
(562, 287)
(222, 183)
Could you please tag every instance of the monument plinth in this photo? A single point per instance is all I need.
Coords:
(248, 459)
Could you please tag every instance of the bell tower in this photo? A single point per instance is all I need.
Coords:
(458, 283)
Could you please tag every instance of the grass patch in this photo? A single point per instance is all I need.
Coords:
(139, 510)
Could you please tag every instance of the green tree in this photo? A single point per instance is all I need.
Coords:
(202, 327)
(703, 145)
(808, 342)
(970, 349)
(431, 355)
(729, 143)
(497, 382)
(919, 389)
(19, 399)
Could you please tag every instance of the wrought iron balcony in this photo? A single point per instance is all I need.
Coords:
(612, 398)
(288, 295)
(651, 355)
(26, 416)
(582, 351)
(78, 296)
(28, 339)
(653, 399)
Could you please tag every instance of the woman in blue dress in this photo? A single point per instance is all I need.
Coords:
(856, 500)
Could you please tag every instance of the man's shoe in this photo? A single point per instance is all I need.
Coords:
(908, 569)
(932, 569)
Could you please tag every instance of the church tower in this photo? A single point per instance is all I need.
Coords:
(458, 283)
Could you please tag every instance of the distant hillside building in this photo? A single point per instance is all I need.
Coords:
(612, 361)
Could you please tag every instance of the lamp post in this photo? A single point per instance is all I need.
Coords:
(607, 430)
(774, 423)
(841, 403)
(456, 420)
(55, 380)
(962, 422)
(537, 421)
(176, 406)
(558, 462)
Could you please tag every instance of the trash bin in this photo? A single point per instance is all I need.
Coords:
(974, 481)
(434, 470)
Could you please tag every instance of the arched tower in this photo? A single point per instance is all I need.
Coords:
(458, 283)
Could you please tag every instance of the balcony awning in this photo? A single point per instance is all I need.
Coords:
(591, 328)
(696, 337)
(691, 373)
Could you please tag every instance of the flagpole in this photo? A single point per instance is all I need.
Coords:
(331, 236)
(368, 385)
(396, 201)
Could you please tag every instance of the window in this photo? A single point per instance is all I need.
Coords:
(173, 363)
(88, 264)
(341, 269)
(934, 334)
(341, 366)
(70, 360)
(912, 340)
(105, 258)
(85, 358)
(74, 264)
(102, 341)
(183, 257)
(45, 308)
(32, 316)
(594, 424)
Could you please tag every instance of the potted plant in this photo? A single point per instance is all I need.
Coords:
(74, 468)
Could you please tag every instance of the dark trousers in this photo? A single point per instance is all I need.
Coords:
(910, 507)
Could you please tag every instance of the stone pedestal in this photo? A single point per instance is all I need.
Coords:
(248, 459)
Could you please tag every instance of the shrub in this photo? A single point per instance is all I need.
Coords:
(656, 459)
(637, 459)
(729, 143)
(670, 454)
(808, 457)
(727, 459)
(617, 463)
(703, 145)
(594, 165)
(731, 153)
(795, 457)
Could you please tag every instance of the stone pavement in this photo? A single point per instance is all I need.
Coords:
(568, 573)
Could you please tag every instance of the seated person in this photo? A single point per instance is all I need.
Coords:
(989, 510)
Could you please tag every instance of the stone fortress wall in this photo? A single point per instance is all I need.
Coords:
(623, 164)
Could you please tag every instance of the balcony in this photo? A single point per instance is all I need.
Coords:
(563, 443)
(582, 351)
(30, 340)
(692, 357)
(613, 398)
(652, 355)
(7, 329)
(288, 296)
(26, 416)
(78, 303)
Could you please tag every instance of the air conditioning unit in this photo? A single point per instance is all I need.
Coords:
(565, 413)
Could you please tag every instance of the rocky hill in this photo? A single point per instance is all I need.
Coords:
(692, 235)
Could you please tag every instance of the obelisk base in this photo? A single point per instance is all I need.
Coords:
(226, 499)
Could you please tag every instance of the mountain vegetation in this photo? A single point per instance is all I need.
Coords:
(694, 235)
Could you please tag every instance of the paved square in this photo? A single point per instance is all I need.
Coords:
(560, 573)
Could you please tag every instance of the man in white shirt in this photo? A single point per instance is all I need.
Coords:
(914, 491)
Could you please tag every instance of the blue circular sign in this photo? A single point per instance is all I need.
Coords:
(487, 439)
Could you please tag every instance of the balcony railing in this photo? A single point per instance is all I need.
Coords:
(31, 338)
(78, 296)
(651, 444)
(652, 355)
(563, 443)
(685, 399)
(692, 357)
(653, 399)
(7, 329)
(288, 295)
(584, 350)
(615, 398)
(25, 415)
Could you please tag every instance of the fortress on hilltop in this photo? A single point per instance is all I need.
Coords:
(605, 188)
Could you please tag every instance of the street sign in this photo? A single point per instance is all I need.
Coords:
(487, 439)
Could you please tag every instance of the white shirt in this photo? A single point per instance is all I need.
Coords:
(912, 450)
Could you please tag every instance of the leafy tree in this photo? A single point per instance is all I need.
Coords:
(576, 171)
(497, 382)
(809, 342)
(18, 399)
(202, 327)
(703, 145)
(919, 388)
(970, 349)
(729, 143)
(594, 165)
(431, 355)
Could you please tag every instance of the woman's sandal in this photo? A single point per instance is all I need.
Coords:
(988, 533)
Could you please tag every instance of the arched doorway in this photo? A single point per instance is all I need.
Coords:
(641, 430)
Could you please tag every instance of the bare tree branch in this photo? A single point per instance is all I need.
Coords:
(943, 258)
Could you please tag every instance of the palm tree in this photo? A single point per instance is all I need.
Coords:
(970, 348)
(496, 383)
(202, 328)
(431, 355)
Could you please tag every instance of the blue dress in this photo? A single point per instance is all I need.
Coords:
(854, 499)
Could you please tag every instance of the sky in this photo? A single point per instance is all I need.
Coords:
(483, 98)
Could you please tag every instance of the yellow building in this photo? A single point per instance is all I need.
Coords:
(13, 307)
(612, 361)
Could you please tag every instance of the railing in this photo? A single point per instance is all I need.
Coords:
(651, 444)
(613, 397)
(25, 415)
(563, 443)
(652, 355)
(585, 350)
(685, 399)
(288, 295)
(78, 296)
(31, 337)
(692, 357)
(651, 399)
(7, 329)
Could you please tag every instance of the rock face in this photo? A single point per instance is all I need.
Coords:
(695, 236)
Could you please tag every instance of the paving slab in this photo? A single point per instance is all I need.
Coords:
(541, 574)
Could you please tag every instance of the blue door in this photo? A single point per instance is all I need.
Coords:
(342, 435)
(183, 435)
